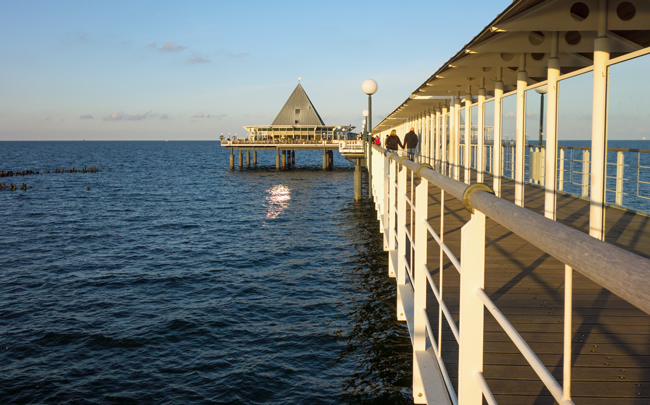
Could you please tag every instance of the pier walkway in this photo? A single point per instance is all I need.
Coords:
(567, 327)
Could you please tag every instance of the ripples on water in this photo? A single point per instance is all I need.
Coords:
(174, 280)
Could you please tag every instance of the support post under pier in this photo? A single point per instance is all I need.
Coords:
(248, 158)
(254, 157)
(324, 159)
(357, 180)
(284, 159)
(277, 159)
(241, 159)
(293, 157)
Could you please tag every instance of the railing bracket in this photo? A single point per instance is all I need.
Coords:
(422, 166)
(470, 190)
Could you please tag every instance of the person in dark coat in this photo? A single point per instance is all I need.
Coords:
(393, 141)
(411, 142)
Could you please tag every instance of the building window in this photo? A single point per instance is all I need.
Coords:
(297, 110)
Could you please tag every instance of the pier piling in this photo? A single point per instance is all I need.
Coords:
(241, 159)
(232, 160)
(277, 159)
(284, 159)
(357, 180)
(248, 158)
(254, 157)
(293, 157)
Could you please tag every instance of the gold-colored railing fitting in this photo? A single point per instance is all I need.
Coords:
(391, 155)
(402, 158)
(470, 190)
(422, 166)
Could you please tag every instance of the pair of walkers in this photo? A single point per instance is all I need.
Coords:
(410, 142)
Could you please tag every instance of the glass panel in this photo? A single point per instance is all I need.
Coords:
(488, 138)
(628, 156)
(509, 125)
(534, 170)
(574, 144)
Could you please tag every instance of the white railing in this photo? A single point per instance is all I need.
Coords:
(351, 147)
(403, 203)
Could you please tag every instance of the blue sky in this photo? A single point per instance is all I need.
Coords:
(146, 70)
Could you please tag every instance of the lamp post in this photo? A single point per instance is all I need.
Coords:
(369, 87)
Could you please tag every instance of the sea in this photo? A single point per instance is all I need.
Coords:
(150, 273)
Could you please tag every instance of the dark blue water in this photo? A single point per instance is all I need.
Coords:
(167, 278)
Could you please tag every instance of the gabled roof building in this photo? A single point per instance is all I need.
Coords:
(298, 120)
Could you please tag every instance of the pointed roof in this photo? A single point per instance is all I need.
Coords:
(298, 110)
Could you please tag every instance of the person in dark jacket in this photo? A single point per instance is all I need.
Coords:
(393, 141)
(411, 142)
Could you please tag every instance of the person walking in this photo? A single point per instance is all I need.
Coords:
(393, 141)
(411, 142)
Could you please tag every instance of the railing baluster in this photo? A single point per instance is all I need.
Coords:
(472, 275)
(420, 284)
(401, 240)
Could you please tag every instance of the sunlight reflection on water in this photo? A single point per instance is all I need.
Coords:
(277, 200)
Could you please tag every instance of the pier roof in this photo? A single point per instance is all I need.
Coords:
(527, 34)
(298, 110)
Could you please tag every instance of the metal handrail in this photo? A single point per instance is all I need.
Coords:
(620, 271)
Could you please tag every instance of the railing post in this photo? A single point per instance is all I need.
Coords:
(401, 240)
(585, 173)
(472, 276)
(620, 165)
(467, 159)
(420, 283)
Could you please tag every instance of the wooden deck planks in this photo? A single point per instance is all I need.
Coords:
(611, 338)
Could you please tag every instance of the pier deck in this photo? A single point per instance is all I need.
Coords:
(611, 338)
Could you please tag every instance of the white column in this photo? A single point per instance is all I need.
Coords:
(480, 144)
(443, 141)
(599, 127)
(467, 160)
(550, 184)
(497, 164)
(520, 146)
(456, 151)
(438, 143)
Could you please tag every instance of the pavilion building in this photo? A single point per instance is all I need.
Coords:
(298, 121)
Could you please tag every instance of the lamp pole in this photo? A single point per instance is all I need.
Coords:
(369, 87)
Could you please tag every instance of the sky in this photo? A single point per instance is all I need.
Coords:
(163, 70)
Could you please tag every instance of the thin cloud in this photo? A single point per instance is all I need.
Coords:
(234, 55)
(198, 115)
(128, 117)
(198, 60)
(169, 46)
(164, 117)
(87, 117)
